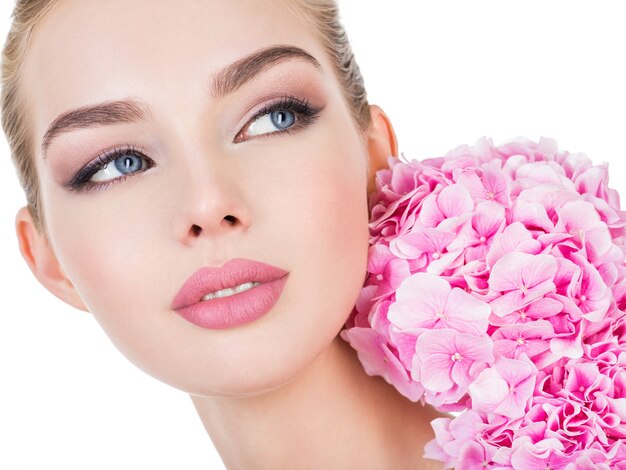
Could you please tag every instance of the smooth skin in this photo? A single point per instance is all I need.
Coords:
(284, 391)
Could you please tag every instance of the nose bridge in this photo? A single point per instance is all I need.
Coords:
(208, 199)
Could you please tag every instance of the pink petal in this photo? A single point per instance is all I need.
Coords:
(518, 271)
(419, 300)
(577, 215)
(473, 457)
(488, 218)
(508, 241)
(533, 215)
(569, 346)
(430, 215)
(466, 313)
(455, 200)
(377, 359)
(378, 257)
(435, 373)
(488, 390)
(421, 240)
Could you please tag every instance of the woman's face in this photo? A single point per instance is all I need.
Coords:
(297, 198)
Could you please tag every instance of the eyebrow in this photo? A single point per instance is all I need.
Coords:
(223, 83)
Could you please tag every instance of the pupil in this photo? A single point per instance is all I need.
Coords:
(128, 164)
(282, 119)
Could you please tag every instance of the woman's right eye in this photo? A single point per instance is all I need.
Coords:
(123, 165)
(112, 166)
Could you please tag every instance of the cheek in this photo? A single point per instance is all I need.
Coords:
(109, 252)
(107, 247)
(333, 218)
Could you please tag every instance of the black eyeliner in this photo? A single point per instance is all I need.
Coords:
(80, 182)
(306, 115)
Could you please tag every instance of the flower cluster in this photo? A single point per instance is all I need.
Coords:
(496, 289)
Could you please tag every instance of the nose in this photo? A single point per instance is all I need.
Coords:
(210, 203)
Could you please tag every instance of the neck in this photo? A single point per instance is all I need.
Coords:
(333, 415)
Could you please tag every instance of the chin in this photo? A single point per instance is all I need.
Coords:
(242, 362)
(243, 378)
(239, 385)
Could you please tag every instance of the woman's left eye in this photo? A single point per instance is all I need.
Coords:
(286, 115)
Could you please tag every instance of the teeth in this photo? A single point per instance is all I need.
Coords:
(230, 291)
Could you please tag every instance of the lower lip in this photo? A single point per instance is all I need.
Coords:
(234, 310)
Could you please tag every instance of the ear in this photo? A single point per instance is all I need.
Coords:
(381, 143)
(42, 261)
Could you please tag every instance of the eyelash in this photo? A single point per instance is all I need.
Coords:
(80, 182)
(305, 112)
(305, 115)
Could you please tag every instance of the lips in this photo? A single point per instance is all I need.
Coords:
(235, 272)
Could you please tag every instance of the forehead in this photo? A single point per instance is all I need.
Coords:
(88, 51)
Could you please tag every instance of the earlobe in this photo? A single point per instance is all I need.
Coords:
(42, 261)
(381, 143)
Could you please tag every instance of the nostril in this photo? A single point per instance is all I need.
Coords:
(196, 230)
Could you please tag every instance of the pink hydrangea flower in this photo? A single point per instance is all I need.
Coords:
(519, 278)
(505, 388)
(426, 301)
(496, 287)
(447, 359)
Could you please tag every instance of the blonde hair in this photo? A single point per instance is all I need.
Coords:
(321, 15)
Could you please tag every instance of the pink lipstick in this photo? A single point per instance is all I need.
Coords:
(237, 293)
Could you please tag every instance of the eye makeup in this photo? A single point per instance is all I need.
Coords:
(304, 113)
(301, 108)
(81, 180)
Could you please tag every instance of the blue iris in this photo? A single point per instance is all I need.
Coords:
(282, 119)
(128, 163)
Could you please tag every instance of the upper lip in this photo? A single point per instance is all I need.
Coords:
(234, 272)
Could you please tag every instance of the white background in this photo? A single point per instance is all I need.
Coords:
(446, 72)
